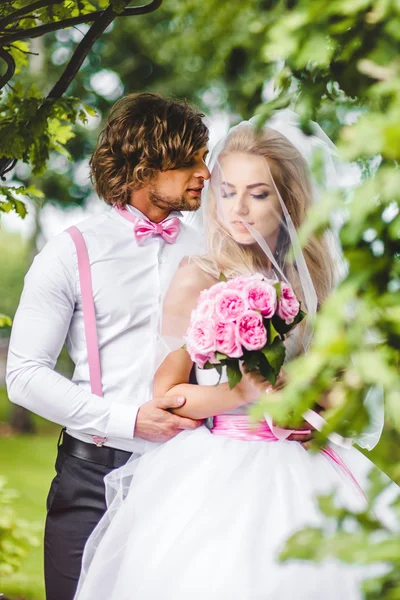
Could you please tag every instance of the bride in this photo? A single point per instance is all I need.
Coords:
(203, 516)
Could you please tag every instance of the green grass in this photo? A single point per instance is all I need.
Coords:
(27, 462)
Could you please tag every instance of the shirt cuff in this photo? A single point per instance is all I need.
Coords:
(122, 421)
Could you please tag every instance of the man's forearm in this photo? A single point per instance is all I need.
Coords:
(52, 396)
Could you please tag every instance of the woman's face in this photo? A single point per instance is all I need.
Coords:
(246, 194)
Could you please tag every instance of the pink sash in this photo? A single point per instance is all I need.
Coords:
(89, 317)
(239, 427)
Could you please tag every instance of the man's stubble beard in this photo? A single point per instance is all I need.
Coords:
(168, 203)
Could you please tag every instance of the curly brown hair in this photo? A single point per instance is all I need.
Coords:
(144, 133)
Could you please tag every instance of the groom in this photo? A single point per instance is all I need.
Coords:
(148, 166)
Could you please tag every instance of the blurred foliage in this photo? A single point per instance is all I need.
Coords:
(343, 57)
(360, 538)
(16, 536)
(13, 267)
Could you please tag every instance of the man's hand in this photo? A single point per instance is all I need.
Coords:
(155, 423)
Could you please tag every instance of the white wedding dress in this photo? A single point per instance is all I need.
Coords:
(202, 517)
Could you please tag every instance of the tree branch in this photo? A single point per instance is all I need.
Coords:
(102, 20)
(9, 60)
(26, 10)
(89, 18)
(81, 52)
(6, 164)
(86, 44)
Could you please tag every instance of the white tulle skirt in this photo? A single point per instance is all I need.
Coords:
(203, 517)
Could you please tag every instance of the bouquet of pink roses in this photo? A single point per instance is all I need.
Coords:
(244, 319)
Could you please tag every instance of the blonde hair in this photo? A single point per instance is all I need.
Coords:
(291, 176)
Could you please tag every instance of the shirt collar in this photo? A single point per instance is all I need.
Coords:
(138, 213)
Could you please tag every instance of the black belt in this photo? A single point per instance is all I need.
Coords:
(103, 455)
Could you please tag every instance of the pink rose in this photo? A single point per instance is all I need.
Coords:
(240, 282)
(205, 308)
(288, 306)
(226, 340)
(201, 359)
(201, 336)
(213, 291)
(261, 296)
(230, 304)
(251, 331)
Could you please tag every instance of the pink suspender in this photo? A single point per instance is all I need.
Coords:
(89, 316)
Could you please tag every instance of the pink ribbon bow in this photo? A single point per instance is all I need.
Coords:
(144, 229)
(167, 229)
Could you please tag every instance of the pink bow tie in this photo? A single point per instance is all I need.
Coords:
(167, 229)
(143, 229)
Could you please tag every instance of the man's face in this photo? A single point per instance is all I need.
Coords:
(180, 189)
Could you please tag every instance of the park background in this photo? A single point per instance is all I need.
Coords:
(338, 64)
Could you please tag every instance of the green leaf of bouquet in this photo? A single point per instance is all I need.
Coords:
(234, 373)
(275, 354)
(222, 277)
(209, 365)
(272, 332)
(266, 369)
(280, 325)
(277, 286)
(283, 328)
(220, 356)
(252, 360)
(299, 317)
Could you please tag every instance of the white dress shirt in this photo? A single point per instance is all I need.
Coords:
(129, 281)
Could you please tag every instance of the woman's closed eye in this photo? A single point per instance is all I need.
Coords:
(260, 196)
(225, 194)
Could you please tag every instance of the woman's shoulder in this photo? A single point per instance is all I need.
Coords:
(189, 281)
(197, 271)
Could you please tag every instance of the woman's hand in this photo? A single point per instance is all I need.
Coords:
(260, 383)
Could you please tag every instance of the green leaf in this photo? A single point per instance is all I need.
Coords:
(92, 112)
(252, 360)
(277, 286)
(5, 321)
(271, 332)
(275, 354)
(222, 277)
(118, 5)
(234, 373)
(266, 369)
(209, 365)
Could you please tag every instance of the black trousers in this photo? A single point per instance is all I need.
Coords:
(75, 504)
